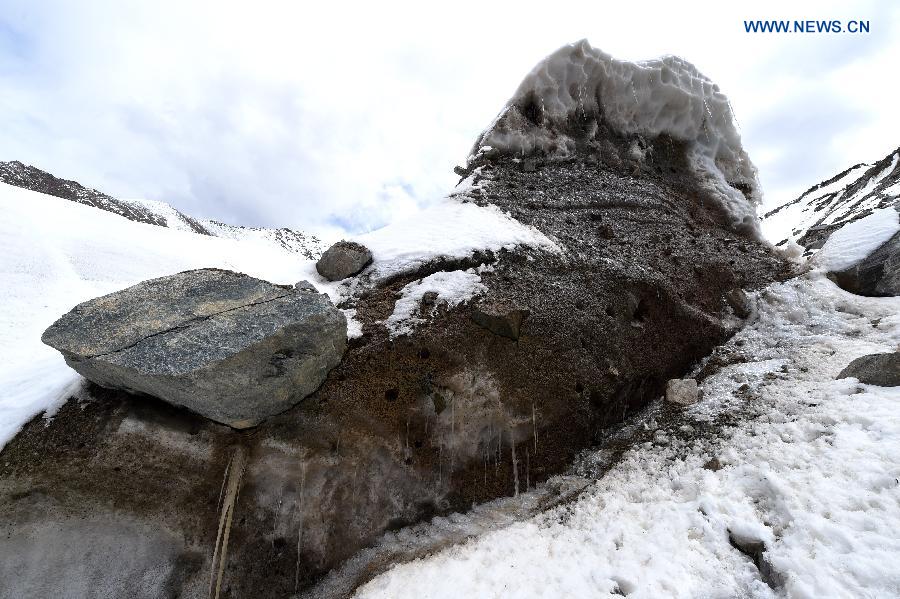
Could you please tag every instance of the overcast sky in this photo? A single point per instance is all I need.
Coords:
(341, 117)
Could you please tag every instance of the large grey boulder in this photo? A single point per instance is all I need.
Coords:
(877, 275)
(343, 259)
(875, 369)
(225, 345)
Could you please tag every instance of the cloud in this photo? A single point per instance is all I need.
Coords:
(347, 115)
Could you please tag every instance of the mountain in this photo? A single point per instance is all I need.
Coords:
(825, 207)
(154, 212)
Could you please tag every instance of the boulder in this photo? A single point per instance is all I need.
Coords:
(683, 392)
(875, 369)
(739, 302)
(343, 259)
(876, 275)
(225, 345)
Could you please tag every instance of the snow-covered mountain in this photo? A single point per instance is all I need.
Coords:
(154, 212)
(825, 207)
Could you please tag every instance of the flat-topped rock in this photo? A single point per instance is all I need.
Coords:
(225, 345)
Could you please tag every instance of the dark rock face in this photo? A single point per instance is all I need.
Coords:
(427, 423)
(877, 275)
(875, 369)
(230, 347)
(343, 259)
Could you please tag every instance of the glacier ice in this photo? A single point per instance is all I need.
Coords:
(566, 98)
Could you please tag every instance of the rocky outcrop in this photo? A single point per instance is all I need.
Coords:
(451, 412)
(876, 275)
(875, 369)
(230, 347)
(343, 259)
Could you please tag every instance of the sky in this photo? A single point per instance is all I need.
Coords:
(342, 117)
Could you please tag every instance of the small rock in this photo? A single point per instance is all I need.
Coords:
(755, 549)
(875, 369)
(739, 302)
(227, 346)
(714, 464)
(305, 286)
(343, 259)
(500, 321)
(683, 392)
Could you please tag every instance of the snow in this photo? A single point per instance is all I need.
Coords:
(852, 193)
(854, 241)
(447, 229)
(58, 253)
(812, 469)
(582, 84)
(452, 288)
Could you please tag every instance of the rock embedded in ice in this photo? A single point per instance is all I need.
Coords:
(343, 259)
(577, 93)
(875, 369)
(500, 320)
(683, 392)
(739, 302)
(225, 345)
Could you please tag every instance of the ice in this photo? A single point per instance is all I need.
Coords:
(452, 288)
(856, 240)
(810, 468)
(568, 93)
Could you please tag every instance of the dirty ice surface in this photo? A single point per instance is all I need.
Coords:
(807, 465)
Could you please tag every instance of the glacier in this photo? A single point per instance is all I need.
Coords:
(567, 96)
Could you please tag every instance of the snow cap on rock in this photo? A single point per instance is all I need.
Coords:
(571, 92)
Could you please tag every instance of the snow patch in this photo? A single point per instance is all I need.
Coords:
(577, 87)
(449, 229)
(452, 288)
(856, 240)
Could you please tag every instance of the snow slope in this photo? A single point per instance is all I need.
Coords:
(58, 253)
(848, 196)
(811, 468)
(582, 84)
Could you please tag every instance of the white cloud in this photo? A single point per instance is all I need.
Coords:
(347, 115)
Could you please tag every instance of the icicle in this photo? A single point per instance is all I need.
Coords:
(515, 466)
(300, 526)
(527, 470)
(534, 425)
